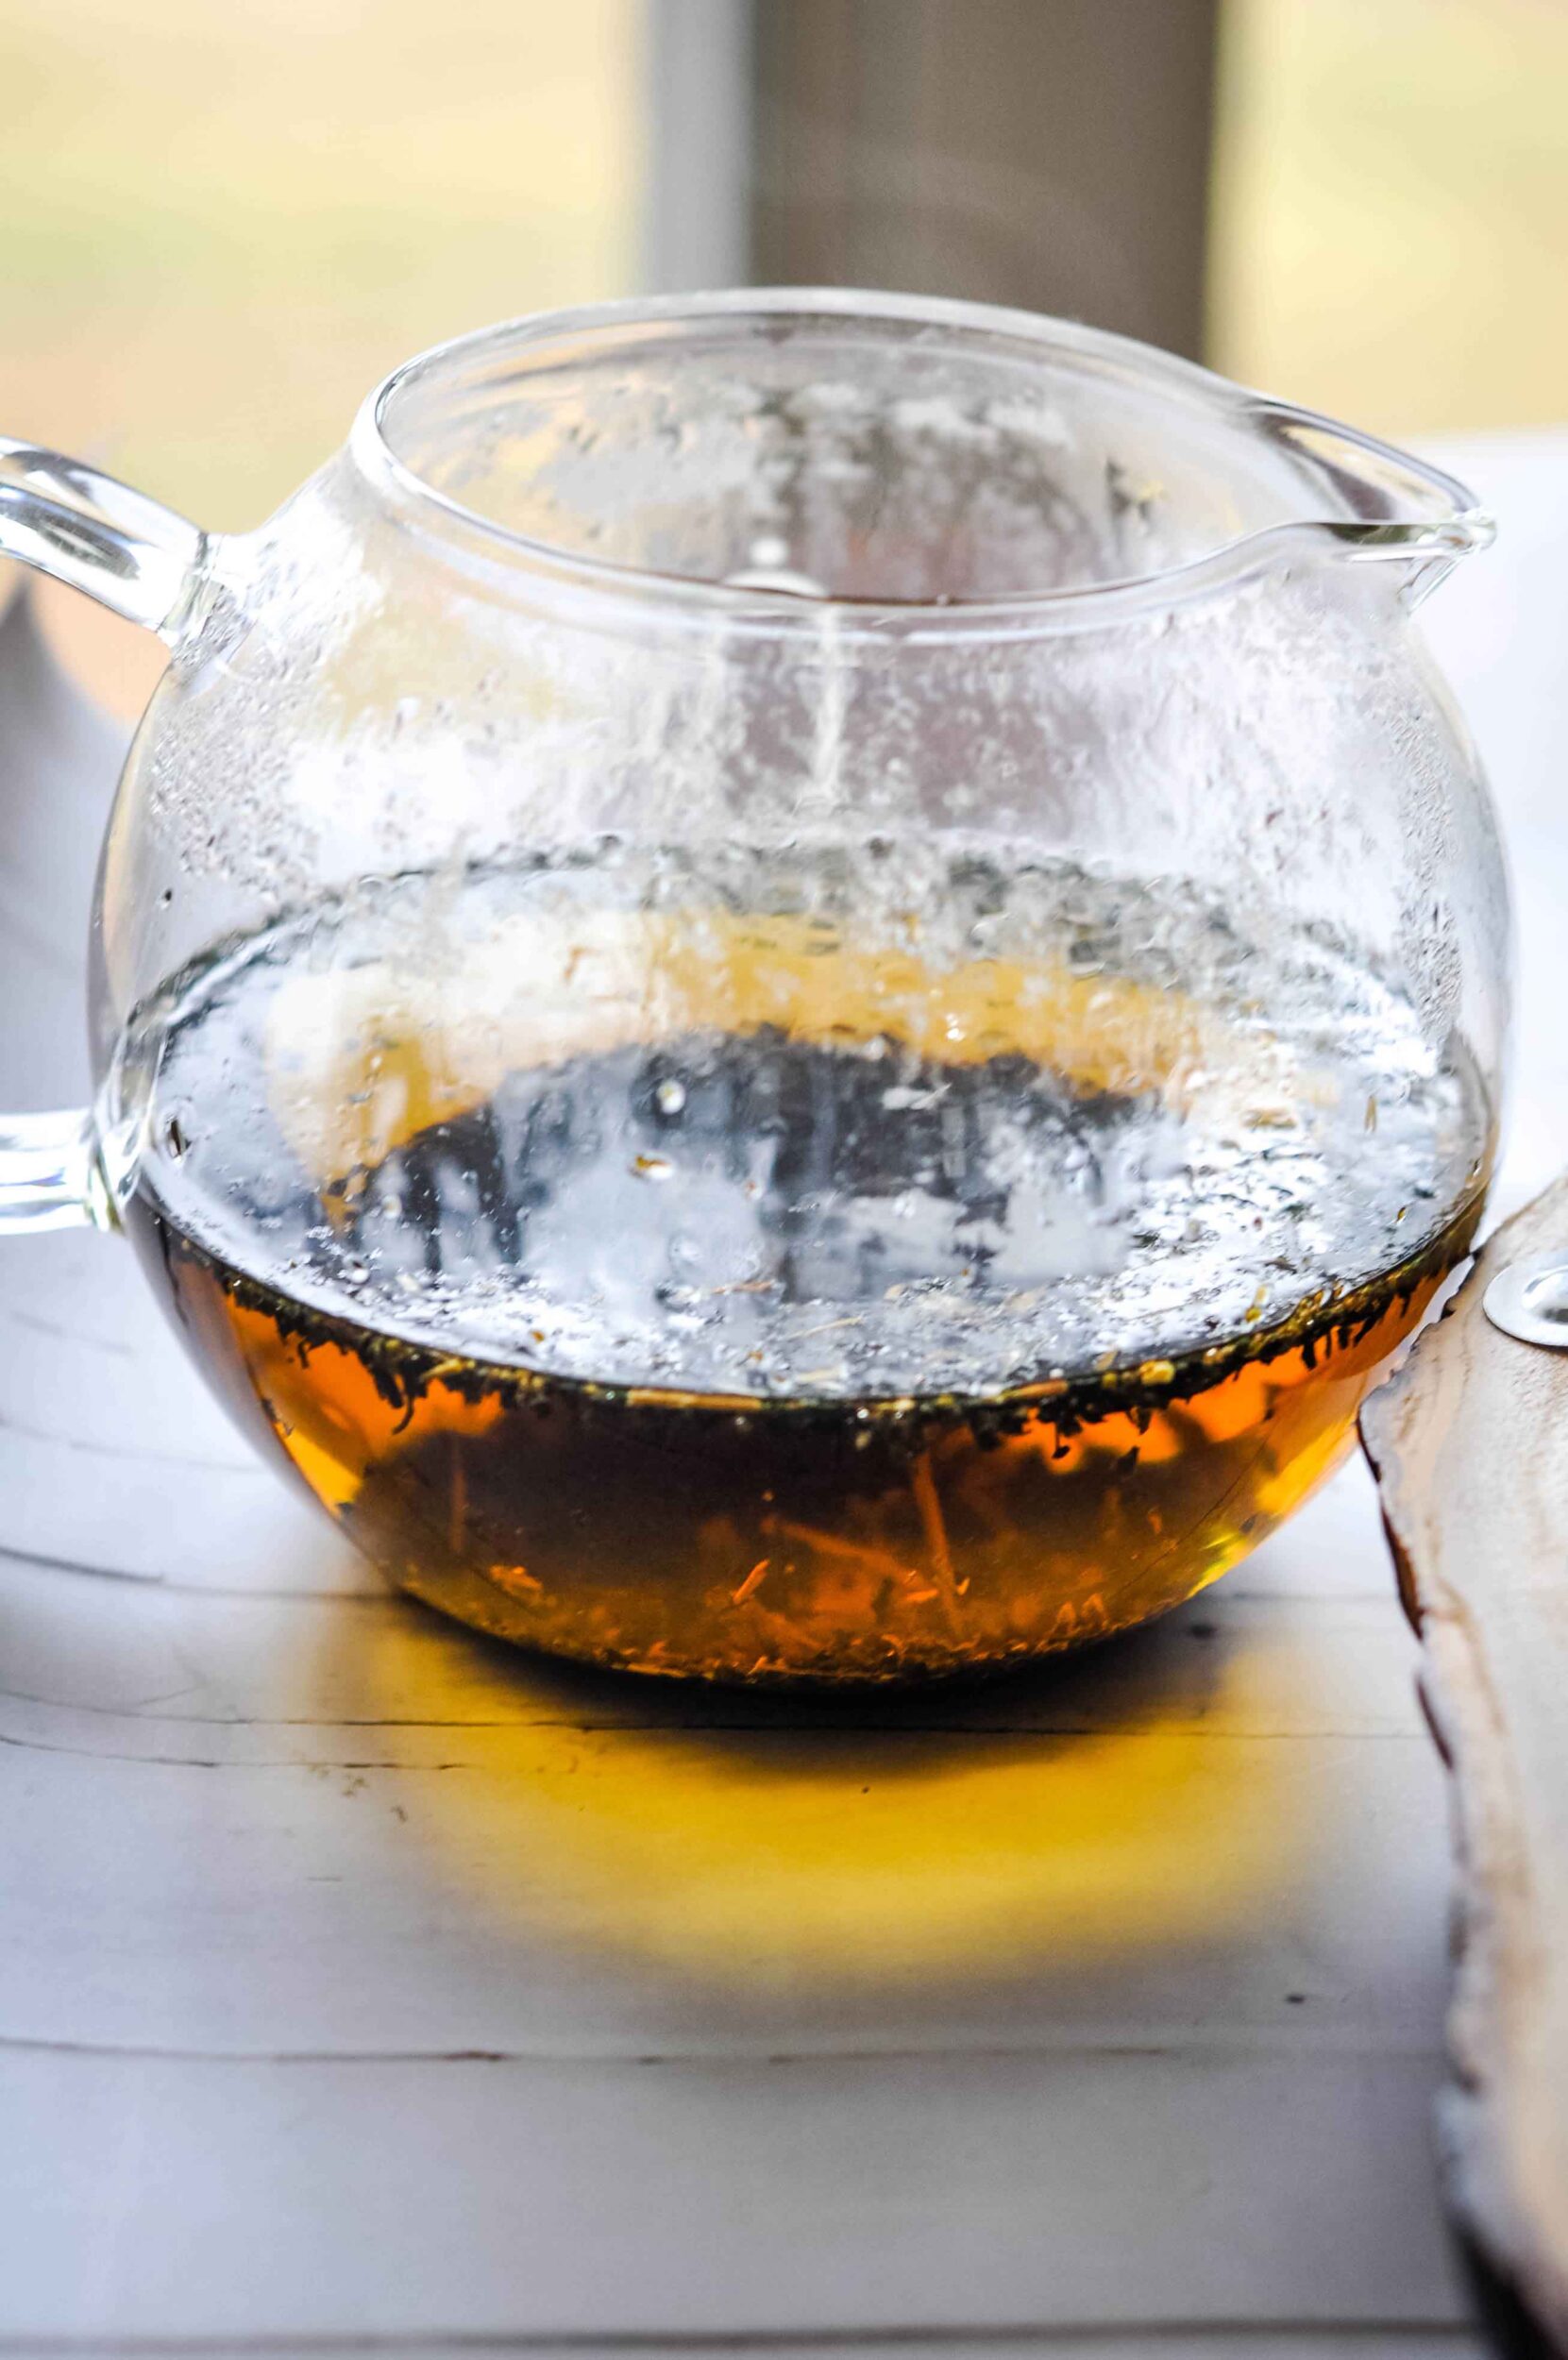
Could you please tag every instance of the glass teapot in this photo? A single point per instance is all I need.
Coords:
(791, 984)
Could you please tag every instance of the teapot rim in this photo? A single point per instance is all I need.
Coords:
(1444, 520)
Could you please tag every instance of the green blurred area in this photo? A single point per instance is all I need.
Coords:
(223, 225)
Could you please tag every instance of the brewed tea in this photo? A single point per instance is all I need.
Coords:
(643, 1261)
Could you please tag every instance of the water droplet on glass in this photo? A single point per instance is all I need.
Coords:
(670, 1097)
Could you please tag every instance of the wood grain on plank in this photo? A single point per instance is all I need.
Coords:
(1469, 1442)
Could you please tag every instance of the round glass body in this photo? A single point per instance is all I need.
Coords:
(794, 986)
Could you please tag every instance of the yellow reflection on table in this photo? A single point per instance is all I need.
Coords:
(1126, 1799)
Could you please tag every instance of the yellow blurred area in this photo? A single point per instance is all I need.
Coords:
(223, 224)
(854, 1861)
(1390, 224)
(872, 1851)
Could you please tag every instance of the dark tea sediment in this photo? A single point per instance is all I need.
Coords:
(732, 1270)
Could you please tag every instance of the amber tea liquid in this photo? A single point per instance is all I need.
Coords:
(760, 1267)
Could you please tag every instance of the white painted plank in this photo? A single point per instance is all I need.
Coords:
(1216, 2341)
(561, 1891)
(701, 2198)
(1169, 1838)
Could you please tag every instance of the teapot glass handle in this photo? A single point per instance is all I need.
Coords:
(50, 1174)
(147, 564)
(98, 534)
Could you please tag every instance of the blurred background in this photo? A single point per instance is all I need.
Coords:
(223, 225)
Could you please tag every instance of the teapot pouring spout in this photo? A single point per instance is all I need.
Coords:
(1371, 504)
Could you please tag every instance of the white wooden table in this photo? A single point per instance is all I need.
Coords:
(361, 1984)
